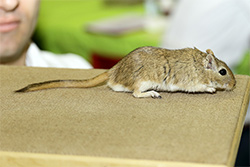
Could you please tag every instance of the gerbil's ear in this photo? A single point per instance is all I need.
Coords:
(209, 51)
(210, 63)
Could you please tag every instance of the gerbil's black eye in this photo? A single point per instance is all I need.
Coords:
(223, 71)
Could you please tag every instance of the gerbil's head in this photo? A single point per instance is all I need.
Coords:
(220, 74)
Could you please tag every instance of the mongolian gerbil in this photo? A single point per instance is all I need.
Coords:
(149, 69)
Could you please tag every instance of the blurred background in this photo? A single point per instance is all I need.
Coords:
(104, 31)
(101, 31)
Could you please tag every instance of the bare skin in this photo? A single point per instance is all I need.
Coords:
(17, 23)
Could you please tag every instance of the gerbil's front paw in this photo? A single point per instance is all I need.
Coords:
(210, 90)
(153, 94)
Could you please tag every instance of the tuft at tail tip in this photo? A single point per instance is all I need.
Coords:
(21, 90)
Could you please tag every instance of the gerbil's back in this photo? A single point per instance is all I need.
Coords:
(149, 64)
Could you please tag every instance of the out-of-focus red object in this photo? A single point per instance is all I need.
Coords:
(103, 62)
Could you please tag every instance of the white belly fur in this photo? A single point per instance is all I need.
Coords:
(119, 88)
(149, 85)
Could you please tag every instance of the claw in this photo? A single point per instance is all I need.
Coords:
(156, 97)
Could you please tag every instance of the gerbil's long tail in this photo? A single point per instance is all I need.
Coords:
(66, 83)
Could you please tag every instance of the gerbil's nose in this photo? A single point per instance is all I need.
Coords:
(8, 5)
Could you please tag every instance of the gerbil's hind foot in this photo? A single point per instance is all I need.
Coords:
(152, 94)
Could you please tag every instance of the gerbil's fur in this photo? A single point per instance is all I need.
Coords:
(149, 69)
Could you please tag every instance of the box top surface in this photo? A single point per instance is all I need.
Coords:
(194, 128)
